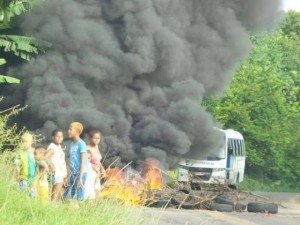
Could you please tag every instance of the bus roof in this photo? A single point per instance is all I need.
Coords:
(229, 133)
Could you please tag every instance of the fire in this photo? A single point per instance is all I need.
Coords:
(129, 186)
(153, 175)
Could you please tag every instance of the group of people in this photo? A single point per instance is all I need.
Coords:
(48, 174)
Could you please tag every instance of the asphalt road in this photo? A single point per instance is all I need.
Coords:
(288, 214)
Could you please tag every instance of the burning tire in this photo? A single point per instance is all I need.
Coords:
(184, 199)
(262, 207)
(235, 205)
(221, 207)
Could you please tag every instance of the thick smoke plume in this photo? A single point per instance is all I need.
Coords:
(137, 70)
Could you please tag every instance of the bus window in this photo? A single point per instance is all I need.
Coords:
(239, 147)
(230, 147)
(235, 148)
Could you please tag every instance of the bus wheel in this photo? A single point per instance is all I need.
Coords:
(236, 185)
(262, 207)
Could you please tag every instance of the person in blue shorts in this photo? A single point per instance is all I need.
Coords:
(78, 161)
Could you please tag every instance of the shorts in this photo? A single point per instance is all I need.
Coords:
(58, 180)
(25, 184)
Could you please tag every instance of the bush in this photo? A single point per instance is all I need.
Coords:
(9, 135)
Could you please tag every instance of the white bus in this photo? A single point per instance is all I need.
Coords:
(224, 166)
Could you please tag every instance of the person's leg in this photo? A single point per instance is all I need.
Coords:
(80, 191)
(69, 187)
(56, 190)
(73, 183)
(23, 184)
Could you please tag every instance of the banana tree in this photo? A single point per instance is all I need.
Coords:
(7, 79)
(22, 46)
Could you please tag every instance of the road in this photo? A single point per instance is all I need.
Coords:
(288, 214)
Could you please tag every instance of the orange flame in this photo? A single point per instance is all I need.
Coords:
(132, 191)
(153, 175)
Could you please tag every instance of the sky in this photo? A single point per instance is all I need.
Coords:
(291, 4)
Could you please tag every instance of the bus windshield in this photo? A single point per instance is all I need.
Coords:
(218, 154)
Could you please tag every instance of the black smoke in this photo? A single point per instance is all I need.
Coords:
(137, 70)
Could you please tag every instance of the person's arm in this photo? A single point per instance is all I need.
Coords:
(48, 156)
(49, 153)
(82, 165)
(83, 151)
(102, 170)
(95, 167)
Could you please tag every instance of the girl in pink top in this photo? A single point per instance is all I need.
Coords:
(96, 168)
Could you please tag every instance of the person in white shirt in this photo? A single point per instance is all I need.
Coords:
(57, 163)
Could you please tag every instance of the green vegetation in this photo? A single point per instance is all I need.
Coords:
(17, 207)
(9, 135)
(256, 184)
(263, 103)
(24, 47)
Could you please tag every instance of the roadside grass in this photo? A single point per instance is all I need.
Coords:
(17, 207)
(253, 184)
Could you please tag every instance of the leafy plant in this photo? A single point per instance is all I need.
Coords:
(7, 79)
(9, 135)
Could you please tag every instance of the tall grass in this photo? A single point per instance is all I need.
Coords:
(17, 207)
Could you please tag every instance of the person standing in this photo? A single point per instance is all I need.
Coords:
(57, 163)
(78, 160)
(96, 168)
(26, 164)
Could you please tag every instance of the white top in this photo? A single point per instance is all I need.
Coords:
(58, 160)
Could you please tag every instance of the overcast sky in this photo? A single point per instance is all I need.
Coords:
(291, 4)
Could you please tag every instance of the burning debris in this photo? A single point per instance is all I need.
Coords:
(133, 189)
(130, 186)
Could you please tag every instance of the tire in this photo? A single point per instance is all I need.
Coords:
(262, 207)
(236, 206)
(185, 190)
(183, 199)
(220, 207)
(195, 186)
(159, 204)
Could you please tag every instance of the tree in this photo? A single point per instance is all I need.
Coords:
(263, 103)
(22, 46)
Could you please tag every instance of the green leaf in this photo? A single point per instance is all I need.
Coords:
(8, 79)
(2, 61)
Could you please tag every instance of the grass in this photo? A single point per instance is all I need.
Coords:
(255, 184)
(17, 207)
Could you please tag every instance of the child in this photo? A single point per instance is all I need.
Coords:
(25, 164)
(93, 177)
(57, 163)
(78, 162)
(41, 181)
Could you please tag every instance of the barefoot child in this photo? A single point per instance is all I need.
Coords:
(26, 164)
(77, 162)
(57, 163)
(41, 181)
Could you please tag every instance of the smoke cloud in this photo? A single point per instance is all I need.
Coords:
(137, 70)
